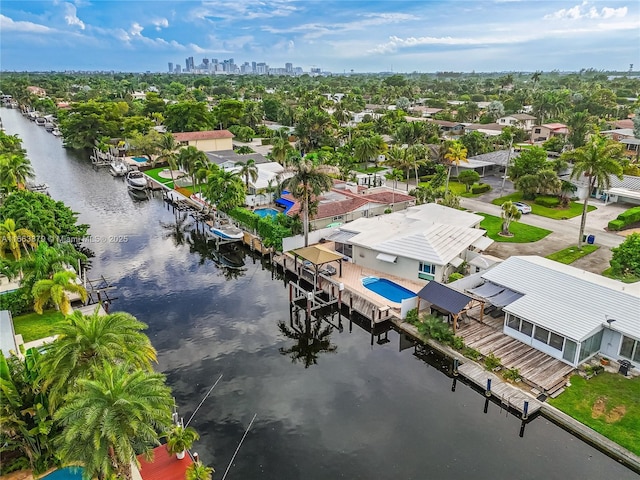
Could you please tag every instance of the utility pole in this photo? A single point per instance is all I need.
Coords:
(506, 168)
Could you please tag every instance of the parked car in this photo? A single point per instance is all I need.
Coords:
(523, 207)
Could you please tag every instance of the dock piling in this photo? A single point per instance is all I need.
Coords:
(488, 390)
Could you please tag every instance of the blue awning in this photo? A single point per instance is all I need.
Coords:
(287, 204)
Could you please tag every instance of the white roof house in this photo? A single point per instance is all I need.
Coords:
(429, 234)
(568, 302)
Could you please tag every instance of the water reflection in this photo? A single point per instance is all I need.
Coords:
(311, 335)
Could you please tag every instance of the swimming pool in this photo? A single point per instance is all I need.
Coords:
(139, 159)
(388, 289)
(67, 473)
(266, 212)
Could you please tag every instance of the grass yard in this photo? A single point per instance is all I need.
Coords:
(571, 254)
(521, 233)
(369, 169)
(574, 210)
(33, 326)
(623, 279)
(608, 403)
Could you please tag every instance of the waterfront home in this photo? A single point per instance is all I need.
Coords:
(567, 313)
(422, 243)
(208, 141)
(625, 190)
(347, 201)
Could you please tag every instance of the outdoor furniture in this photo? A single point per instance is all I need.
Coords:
(625, 366)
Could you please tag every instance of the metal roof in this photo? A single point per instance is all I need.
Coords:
(566, 300)
(317, 255)
(444, 297)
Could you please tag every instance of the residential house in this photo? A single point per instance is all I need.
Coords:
(542, 133)
(618, 133)
(489, 163)
(450, 129)
(37, 91)
(519, 120)
(567, 313)
(207, 141)
(346, 202)
(487, 129)
(422, 243)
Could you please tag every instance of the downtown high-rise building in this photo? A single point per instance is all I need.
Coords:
(189, 64)
(170, 67)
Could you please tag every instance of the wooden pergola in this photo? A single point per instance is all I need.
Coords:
(449, 300)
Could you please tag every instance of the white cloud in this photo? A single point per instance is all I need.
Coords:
(136, 29)
(583, 10)
(242, 10)
(71, 17)
(160, 23)
(9, 25)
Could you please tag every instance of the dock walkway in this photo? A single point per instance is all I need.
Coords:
(508, 395)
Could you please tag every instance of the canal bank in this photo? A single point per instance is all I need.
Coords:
(329, 404)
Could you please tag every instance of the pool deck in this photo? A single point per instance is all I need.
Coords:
(364, 300)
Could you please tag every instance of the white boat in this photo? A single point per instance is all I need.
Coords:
(41, 121)
(56, 132)
(118, 168)
(136, 180)
(226, 231)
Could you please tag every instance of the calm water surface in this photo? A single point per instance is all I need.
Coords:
(361, 412)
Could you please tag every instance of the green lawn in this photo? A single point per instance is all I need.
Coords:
(33, 326)
(369, 169)
(623, 279)
(571, 254)
(521, 233)
(608, 403)
(155, 174)
(574, 210)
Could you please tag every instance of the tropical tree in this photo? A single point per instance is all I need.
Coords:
(401, 159)
(188, 116)
(509, 214)
(456, 154)
(578, 128)
(180, 439)
(14, 239)
(468, 178)
(424, 194)
(15, 171)
(307, 182)
(625, 261)
(248, 170)
(394, 175)
(86, 341)
(369, 147)
(224, 189)
(311, 337)
(597, 161)
(169, 153)
(57, 290)
(110, 418)
(198, 471)
(280, 148)
(46, 260)
(190, 159)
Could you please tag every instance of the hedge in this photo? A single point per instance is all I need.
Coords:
(265, 141)
(17, 302)
(616, 225)
(630, 216)
(550, 202)
(270, 230)
(480, 188)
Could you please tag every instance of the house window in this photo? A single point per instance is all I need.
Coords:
(526, 328)
(426, 271)
(570, 348)
(513, 322)
(541, 334)
(556, 341)
(338, 218)
(590, 346)
(537, 130)
(630, 349)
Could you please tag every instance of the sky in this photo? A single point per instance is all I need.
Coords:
(337, 36)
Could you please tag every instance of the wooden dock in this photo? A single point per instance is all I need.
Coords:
(508, 395)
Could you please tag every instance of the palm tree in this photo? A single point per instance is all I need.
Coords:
(402, 159)
(307, 182)
(15, 170)
(180, 439)
(57, 290)
(456, 154)
(311, 338)
(86, 341)
(111, 417)
(224, 189)
(281, 147)
(248, 170)
(14, 239)
(46, 260)
(366, 148)
(191, 160)
(198, 471)
(596, 161)
(394, 175)
(168, 153)
(509, 214)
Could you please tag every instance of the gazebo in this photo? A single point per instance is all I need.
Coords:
(318, 256)
(448, 300)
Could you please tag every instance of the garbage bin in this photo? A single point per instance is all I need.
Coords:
(584, 238)
(591, 239)
(625, 365)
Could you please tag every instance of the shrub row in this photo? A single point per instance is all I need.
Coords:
(17, 302)
(480, 188)
(546, 201)
(625, 219)
(270, 230)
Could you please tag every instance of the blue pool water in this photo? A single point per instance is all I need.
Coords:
(140, 159)
(266, 212)
(67, 473)
(388, 289)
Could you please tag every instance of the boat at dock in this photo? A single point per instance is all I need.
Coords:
(41, 121)
(118, 168)
(56, 132)
(226, 231)
(136, 180)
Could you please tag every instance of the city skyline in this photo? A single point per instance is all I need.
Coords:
(399, 36)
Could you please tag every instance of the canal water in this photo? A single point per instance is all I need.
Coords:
(350, 410)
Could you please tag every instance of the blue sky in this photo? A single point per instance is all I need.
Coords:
(364, 36)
